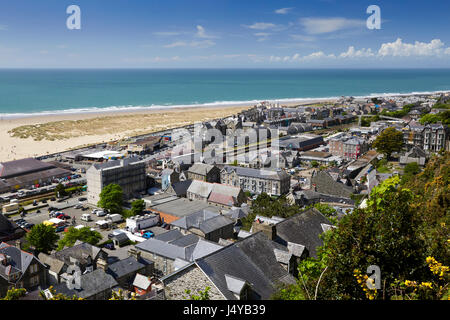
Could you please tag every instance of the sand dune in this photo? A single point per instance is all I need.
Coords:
(34, 136)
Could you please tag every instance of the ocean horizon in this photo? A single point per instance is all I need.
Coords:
(28, 92)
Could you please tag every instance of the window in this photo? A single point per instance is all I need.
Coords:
(34, 268)
(34, 281)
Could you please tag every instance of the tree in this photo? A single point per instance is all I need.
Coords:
(111, 198)
(389, 141)
(60, 191)
(83, 234)
(409, 171)
(14, 294)
(314, 164)
(42, 237)
(138, 207)
(403, 230)
(266, 206)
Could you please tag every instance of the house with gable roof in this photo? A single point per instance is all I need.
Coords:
(19, 269)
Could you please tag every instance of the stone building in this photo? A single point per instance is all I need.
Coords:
(250, 269)
(129, 173)
(430, 137)
(204, 172)
(19, 269)
(272, 182)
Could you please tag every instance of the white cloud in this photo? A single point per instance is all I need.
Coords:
(399, 48)
(193, 44)
(283, 10)
(167, 33)
(261, 26)
(201, 33)
(327, 25)
(300, 37)
(352, 53)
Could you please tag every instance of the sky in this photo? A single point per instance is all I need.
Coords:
(224, 34)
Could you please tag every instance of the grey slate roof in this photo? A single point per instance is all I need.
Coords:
(204, 220)
(325, 183)
(91, 283)
(201, 168)
(252, 260)
(19, 260)
(257, 173)
(166, 249)
(54, 264)
(124, 267)
(79, 251)
(303, 228)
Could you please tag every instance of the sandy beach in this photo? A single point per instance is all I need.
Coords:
(40, 135)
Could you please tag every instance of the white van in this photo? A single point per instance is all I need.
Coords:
(86, 217)
(100, 213)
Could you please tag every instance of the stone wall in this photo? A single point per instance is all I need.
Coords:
(191, 278)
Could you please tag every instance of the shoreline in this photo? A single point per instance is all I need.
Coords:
(98, 111)
(42, 134)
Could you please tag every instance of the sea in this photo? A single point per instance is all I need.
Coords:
(27, 92)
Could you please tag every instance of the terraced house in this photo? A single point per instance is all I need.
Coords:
(257, 181)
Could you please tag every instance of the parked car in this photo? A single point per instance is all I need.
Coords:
(82, 199)
(60, 229)
(84, 209)
(109, 246)
(28, 226)
(78, 206)
(148, 235)
(110, 235)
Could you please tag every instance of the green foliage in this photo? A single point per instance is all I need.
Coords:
(14, 294)
(443, 117)
(202, 295)
(409, 171)
(111, 198)
(404, 230)
(401, 113)
(42, 237)
(365, 121)
(326, 210)
(83, 234)
(314, 164)
(289, 292)
(137, 207)
(60, 191)
(389, 141)
(441, 106)
(266, 206)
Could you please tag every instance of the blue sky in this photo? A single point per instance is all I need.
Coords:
(224, 34)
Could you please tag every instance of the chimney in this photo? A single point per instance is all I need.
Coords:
(18, 244)
(133, 252)
(270, 230)
(102, 264)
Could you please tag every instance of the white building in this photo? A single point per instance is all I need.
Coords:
(129, 173)
(137, 223)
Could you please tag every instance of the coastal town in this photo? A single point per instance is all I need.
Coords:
(185, 213)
